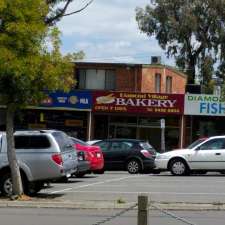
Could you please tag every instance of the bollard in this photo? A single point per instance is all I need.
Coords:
(143, 213)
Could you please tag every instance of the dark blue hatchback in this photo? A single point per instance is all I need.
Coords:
(133, 155)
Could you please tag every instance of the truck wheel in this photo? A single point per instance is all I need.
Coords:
(6, 185)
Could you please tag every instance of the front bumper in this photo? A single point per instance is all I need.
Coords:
(161, 164)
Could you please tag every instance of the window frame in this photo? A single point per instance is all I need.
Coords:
(169, 84)
(158, 82)
(107, 73)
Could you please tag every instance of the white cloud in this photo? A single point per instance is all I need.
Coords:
(107, 30)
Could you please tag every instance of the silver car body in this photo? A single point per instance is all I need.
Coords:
(37, 163)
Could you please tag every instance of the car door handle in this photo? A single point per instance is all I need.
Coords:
(217, 153)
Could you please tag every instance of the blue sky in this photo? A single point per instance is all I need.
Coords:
(107, 32)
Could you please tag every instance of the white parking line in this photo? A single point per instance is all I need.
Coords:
(93, 184)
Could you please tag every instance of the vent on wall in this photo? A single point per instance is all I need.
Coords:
(156, 60)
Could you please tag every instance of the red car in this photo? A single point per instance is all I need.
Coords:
(93, 155)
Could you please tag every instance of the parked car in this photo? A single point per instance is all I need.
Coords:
(205, 155)
(93, 154)
(92, 142)
(43, 156)
(132, 155)
(83, 164)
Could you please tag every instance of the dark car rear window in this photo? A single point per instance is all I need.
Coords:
(63, 140)
(146, 146)
(31, 142)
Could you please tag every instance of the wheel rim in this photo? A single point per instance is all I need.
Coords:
(133, 167)
(8, 186)
(178, 168)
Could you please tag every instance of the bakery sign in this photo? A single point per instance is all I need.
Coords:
(127, 102)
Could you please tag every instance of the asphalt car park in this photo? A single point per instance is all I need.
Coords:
(125, 187)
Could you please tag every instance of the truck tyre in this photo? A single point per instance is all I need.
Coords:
(6, 185)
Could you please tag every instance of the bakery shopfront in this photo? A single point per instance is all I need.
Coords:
(138, 115)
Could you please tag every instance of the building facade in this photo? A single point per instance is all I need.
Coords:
(156, 89)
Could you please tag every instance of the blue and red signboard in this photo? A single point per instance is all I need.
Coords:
(73, 100)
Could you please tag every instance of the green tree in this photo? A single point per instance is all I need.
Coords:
(187, 29)
(27, 66)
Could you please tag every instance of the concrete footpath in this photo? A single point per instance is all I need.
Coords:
(33, 203)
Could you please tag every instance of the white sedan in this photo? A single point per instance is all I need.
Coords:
(204, 155)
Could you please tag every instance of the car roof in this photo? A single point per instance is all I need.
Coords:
(124, 139)
(35, 131)
(219, 136)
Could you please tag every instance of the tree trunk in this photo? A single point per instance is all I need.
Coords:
(191, 70)
(17, 188)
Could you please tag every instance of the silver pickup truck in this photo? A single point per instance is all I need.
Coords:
(42, 156)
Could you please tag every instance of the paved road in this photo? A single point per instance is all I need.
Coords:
(113, 186)
(16, 216)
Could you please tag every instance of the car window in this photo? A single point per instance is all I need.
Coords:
(146, 146)
(103, 145)
(213, 144)
(63, 140)
(195, 143)
(121, 146)
(31, 142)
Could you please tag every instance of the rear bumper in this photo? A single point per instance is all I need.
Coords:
(83, 166)
(97, 165)
(148, 164)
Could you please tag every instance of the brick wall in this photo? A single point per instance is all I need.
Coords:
(141, 78)
(148, 80)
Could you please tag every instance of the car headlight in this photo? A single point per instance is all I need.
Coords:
(162, 156)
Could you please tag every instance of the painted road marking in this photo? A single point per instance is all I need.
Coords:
(96, 183)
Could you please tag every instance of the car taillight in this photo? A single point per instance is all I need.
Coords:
(98, 155)
(146, 153)
(57, 158)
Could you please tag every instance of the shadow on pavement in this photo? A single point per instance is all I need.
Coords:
(47, 196)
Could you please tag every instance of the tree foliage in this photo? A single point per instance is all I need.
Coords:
(192, 31)
(28, 65)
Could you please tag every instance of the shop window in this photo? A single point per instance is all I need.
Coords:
(168, 84)
(157, 83)
(96, 79)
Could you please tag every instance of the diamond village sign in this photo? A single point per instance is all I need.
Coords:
(206, 105)
(125, 102)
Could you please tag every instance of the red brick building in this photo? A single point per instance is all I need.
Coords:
(132, 78)
(154, 78)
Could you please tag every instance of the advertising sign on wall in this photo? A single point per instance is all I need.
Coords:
(143, 103)
(205, 105)
(73, 100)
